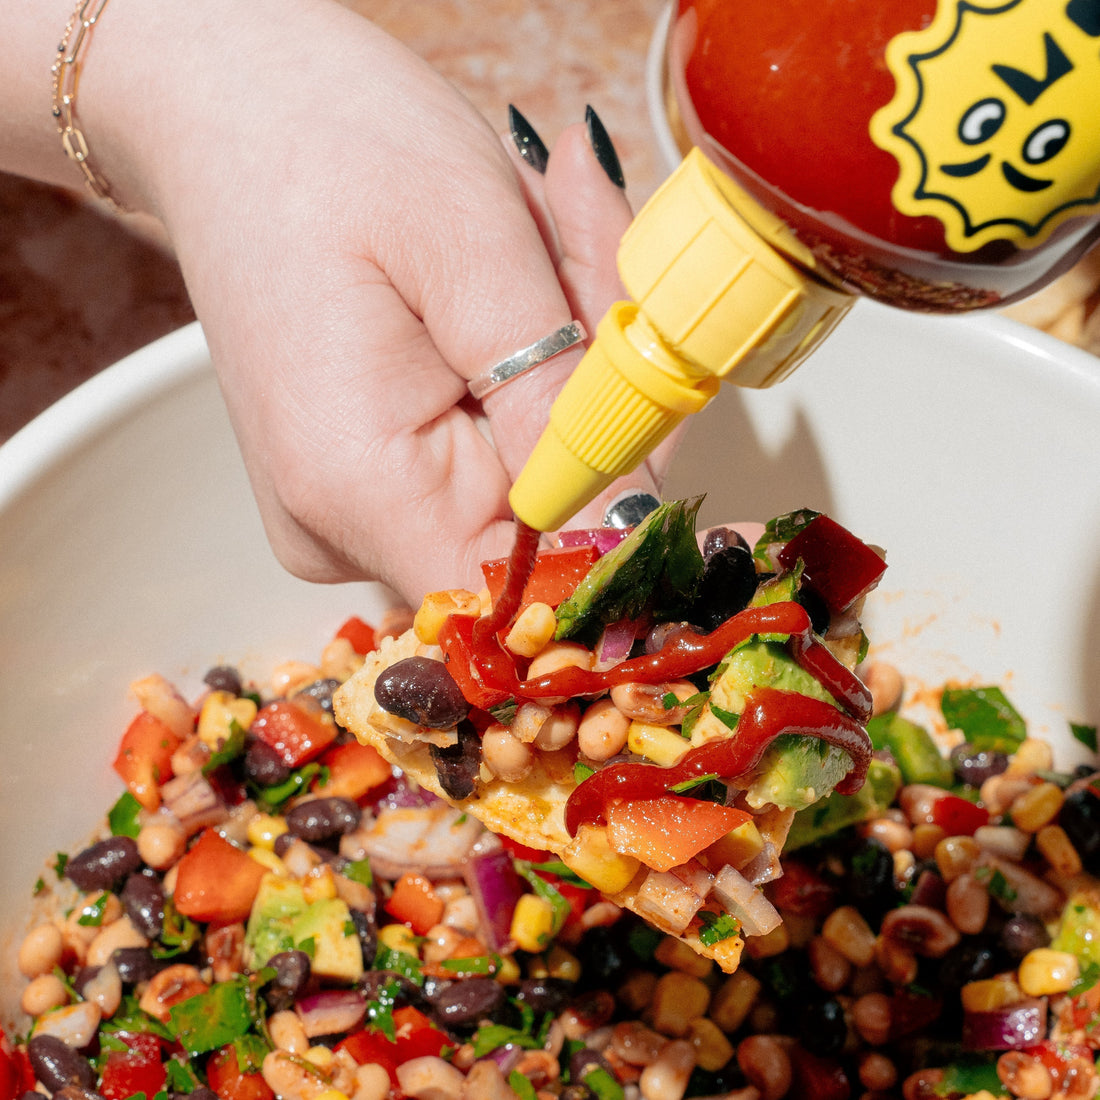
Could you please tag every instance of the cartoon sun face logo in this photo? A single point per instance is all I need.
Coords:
(995, 120)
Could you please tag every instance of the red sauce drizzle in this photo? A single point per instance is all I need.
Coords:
(521, 563)
(768, 713)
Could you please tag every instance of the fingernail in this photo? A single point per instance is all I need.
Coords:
(603, 148)
(629, 509)
(529, 144)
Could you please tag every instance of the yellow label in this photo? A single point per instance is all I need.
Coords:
(995, 120)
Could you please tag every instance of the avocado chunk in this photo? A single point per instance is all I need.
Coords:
(795, 772)
(1079, 929)
(283, 920)
(838, 811)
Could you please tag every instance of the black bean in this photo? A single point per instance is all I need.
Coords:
(816, 608)
(366, 928)
(374, 985)
(57, 1065)
(458, 765)
(822, 1028)
(104, 865)
(321, 691)
(143, 899)
(545, 994)
(1080, 817)
(583, 1061)
(223, 678)
(467, 1001)
(423, 691)
(718, 538)
(870, 880)
(134, 964)
(263, 765)
(322, 818)
(83, 976)
(729, 581)
(292, 974)
(969, 961)
(973, 766)
(1021, 933)
(604, 955)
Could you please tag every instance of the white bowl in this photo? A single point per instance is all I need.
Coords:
(130, 544)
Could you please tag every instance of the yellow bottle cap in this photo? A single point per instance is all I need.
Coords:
(712, 300)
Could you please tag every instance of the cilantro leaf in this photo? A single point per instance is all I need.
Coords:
(1085, 734)
(123, 816)
(988, 720)
(716, 927)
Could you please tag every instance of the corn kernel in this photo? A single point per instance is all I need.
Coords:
(265, 857)
(678, 999)
(590, 855)
(775, 942)
(991, 994)
(925, 839)
(955, 855)
(1032, 755)
(562, 964)
(660, 744)
(331, 1094)
(532, 923)
(733, 1000)
(220, 710)
(508, 971)
(264, 829)
(397, 937)
(737, 847)
(1045, 971)
(712, 1049)
(435, 608)
(677, 955)
(1058, 850)
(1036, 807)
(846, 931)
(319, 1056)
(637, 991)
(533, 628)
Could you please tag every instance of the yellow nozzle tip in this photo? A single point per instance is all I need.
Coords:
(554, 485)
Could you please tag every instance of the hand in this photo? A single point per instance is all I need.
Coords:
(358, 243)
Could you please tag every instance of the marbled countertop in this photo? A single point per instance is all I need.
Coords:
(79, 290)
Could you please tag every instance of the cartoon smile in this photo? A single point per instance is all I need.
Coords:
(1015, 178)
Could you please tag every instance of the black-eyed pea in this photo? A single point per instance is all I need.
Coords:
(504, 754)
(831, 970)
(560, 728)
(44, 993)
(161, 841)
(289, 1078)
(765, 1062)
(555, 656)
(40, 951)
(885, 684)
(601, 733)
(649, 703)
(967, 904)
(871, 1017)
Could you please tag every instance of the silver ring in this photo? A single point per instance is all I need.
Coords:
(561, 340)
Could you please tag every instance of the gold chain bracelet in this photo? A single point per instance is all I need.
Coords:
(66, 77)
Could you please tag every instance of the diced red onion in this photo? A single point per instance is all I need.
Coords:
(331, 1011)
(602, 538)
(399, 791)
(764, 867)
(664, 900)
(1010, 1028)
(496, 887)
(614, 644)
(744, 901)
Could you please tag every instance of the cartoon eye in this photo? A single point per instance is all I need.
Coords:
(981, 121)
(1046, 141)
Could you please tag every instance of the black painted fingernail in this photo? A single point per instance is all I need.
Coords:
(529, 144)
(603, 148)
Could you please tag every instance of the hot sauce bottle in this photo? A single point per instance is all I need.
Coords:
(936, 155)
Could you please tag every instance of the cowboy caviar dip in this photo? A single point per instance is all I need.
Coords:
(273, 910)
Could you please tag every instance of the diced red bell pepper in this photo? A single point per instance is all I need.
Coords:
(555, 577)
(456, 641)
(139, 1068)
(216, 881)
(837, 566)
(958, 816)
(226, 1078)
(414, 902)
(802, 891)
(911, 1012)
(371, 1047)
(144, 758)
(361, 635)
(417, 1035)
(351, 771)
(297, 729)
(16, 1074)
